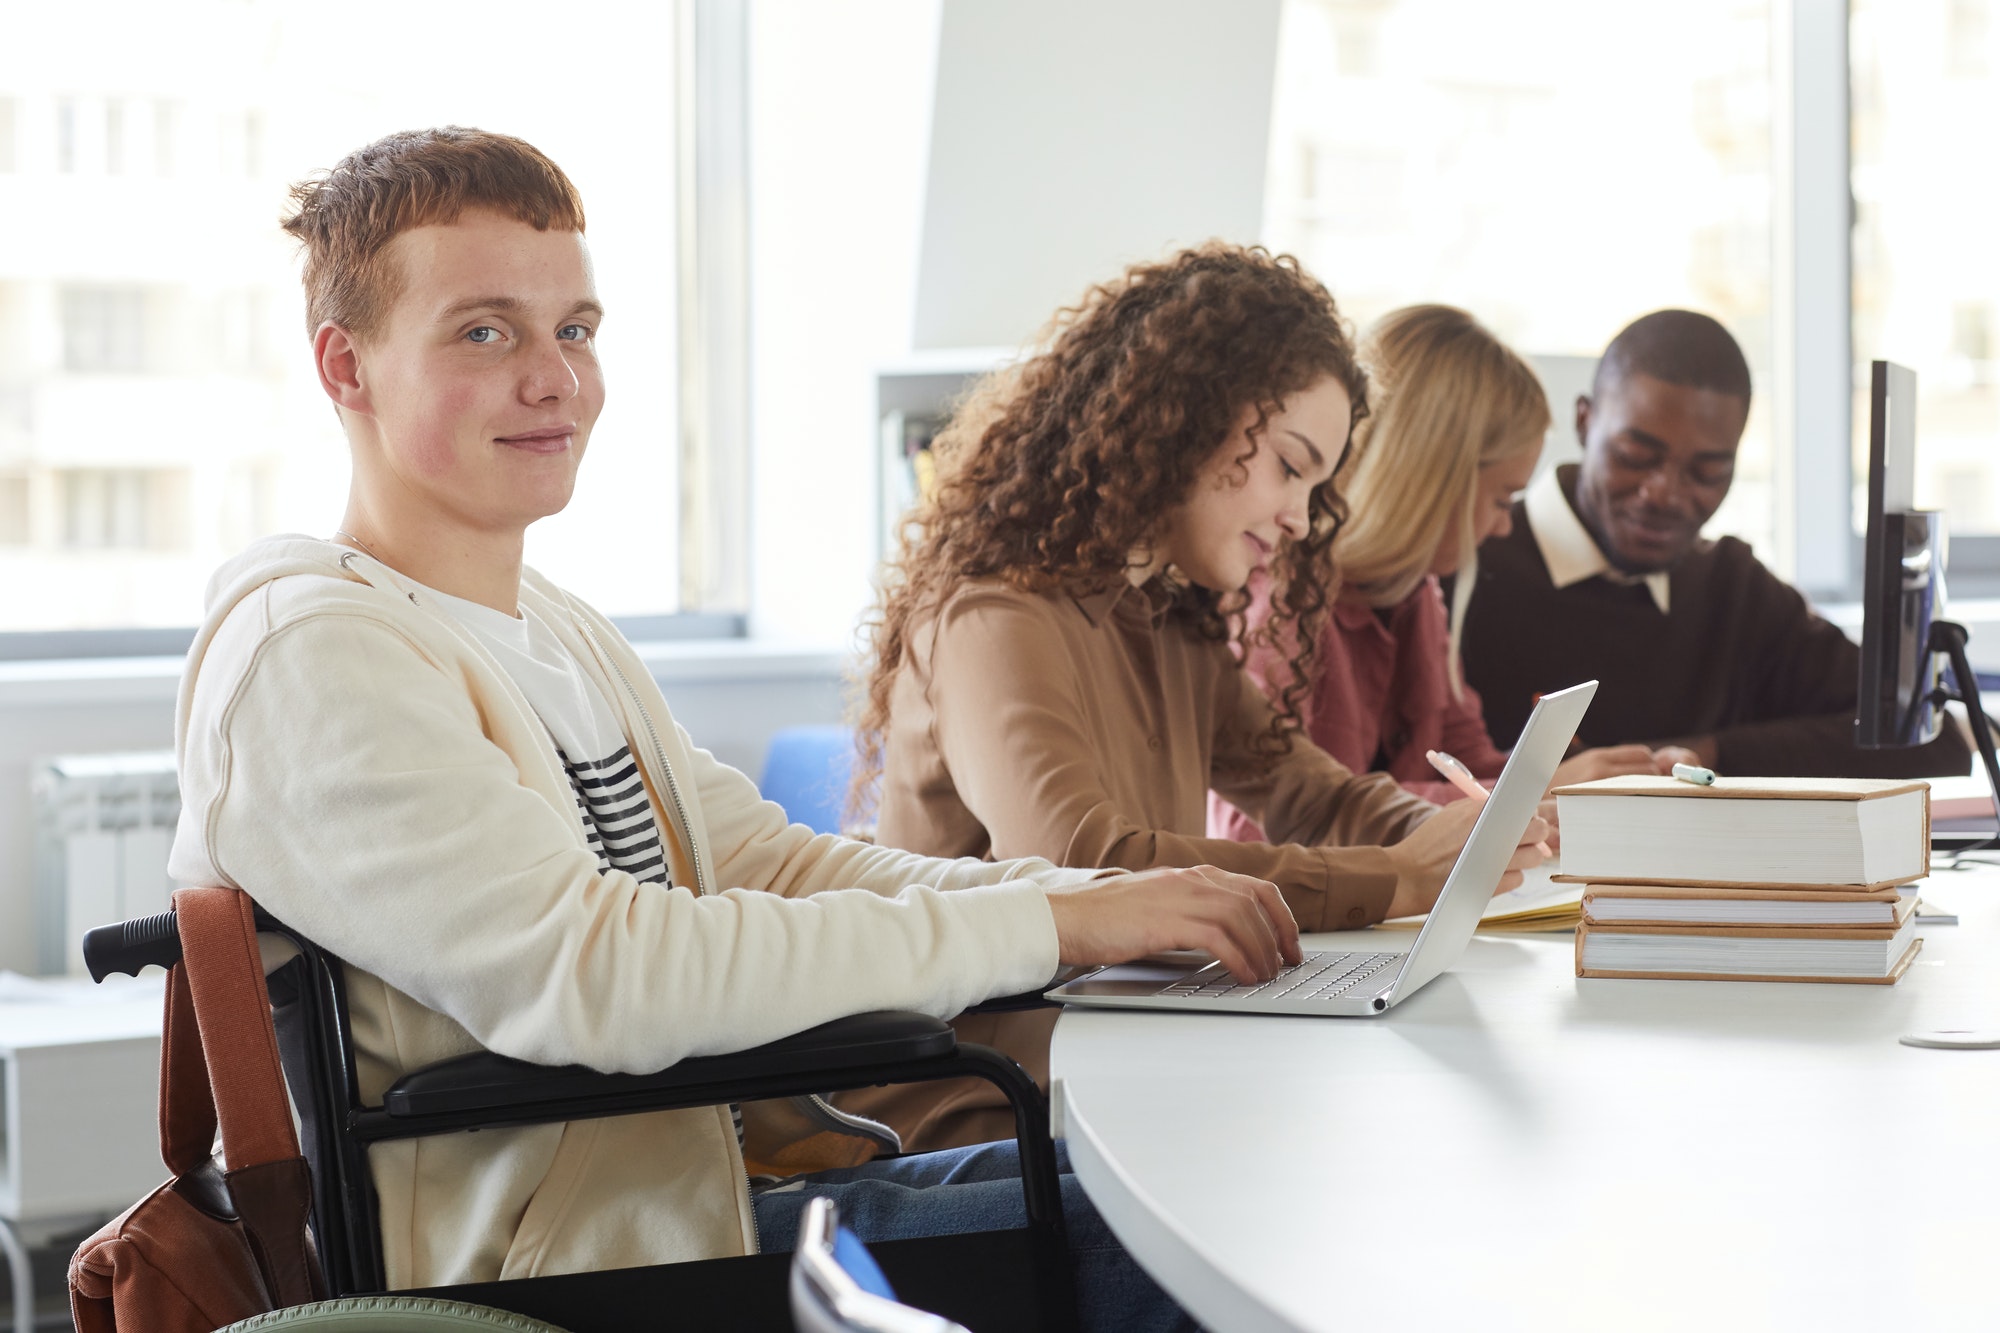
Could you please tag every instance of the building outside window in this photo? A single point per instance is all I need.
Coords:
(1926, 90)
(158, 404)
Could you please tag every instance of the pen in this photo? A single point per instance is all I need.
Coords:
(1459, 776)
(1699, 776)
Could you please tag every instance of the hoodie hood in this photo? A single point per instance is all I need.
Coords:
(262, 562)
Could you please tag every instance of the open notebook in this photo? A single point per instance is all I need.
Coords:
(1538, 905)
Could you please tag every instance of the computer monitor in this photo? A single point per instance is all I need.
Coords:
(1906, 642)
(1900, 702)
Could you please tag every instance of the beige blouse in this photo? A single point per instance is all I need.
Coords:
(1089, 731)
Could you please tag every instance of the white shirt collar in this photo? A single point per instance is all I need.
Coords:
(1569, 550)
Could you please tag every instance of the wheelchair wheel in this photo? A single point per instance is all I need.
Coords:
(391, 1314)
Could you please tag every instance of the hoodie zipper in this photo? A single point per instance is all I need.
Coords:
(700, 880)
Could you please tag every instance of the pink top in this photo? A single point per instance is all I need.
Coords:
(1383, 698)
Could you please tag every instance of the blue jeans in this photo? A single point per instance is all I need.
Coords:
(975, 1189)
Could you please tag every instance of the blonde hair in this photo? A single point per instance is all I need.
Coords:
(1447, 399)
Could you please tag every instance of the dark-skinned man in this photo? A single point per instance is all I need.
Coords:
(1606, 575)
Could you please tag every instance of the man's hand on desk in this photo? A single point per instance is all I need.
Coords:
(1239, 919)
(1607, 761)
(1699, 751)
(1425, 858)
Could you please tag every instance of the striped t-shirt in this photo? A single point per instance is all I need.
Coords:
(611, 799)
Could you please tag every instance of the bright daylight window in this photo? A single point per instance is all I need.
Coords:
(158, 406)
(1926, 89)
(1557, 167)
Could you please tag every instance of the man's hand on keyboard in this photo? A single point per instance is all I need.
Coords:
(1425, 858)
(1241, 920)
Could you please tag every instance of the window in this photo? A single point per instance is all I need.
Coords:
(114, 138)
(166, 124)
(13, 509)
(104, 329)
(1492, 157)
(67, 134)
(122, 508)
(1926, 124)
(158, 406)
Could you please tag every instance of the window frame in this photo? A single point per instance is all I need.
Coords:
(68, 645)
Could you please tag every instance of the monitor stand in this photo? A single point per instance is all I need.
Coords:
(1948, 640)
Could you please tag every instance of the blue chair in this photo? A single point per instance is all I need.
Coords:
(837, 1287)
(806, 770)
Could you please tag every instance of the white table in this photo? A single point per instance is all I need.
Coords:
(1515, 1148)
(79, 1118)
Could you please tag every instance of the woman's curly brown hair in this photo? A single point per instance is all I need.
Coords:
(1053, 472)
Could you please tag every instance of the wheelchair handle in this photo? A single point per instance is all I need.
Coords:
(129, 946)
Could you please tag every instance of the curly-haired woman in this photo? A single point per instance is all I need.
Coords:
(1053, 672)
(1454, 431)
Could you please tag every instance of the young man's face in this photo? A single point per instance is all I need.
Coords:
(482, 381)
(1657, 461)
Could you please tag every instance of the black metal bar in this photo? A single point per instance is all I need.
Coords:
(1039, 1179)
(1950, 638)
(346, 1212)
(375, 1125)
(1041, 1184)
(485, 1081)
(295, 1002)
(1008, 1004)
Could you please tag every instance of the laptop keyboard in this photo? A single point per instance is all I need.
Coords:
(1319, 976)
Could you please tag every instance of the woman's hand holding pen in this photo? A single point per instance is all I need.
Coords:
(1461, 777)
(1425, 858)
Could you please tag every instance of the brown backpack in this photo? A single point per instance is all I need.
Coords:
(218, 1242)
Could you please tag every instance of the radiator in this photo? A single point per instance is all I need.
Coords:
(103, 824)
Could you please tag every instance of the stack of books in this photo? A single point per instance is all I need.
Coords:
(1752, 879)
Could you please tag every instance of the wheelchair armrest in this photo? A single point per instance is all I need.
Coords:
(485, 1083)
(1031, 999)
(1007, 1004)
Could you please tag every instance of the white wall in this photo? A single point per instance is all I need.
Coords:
(839, 112)
(1070, 140)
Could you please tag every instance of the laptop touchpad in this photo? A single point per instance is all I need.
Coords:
(1142, 978)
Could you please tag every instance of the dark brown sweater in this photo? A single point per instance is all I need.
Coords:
(1740, 657)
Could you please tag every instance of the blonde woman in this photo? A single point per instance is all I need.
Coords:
(1454, 435)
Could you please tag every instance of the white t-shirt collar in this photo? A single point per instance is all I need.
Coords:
(1569, 550)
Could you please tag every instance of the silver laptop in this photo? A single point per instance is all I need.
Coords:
(1358, 983)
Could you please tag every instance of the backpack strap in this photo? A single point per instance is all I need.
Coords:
(220, 1041)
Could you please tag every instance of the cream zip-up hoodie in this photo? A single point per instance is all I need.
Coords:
(361, 766)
